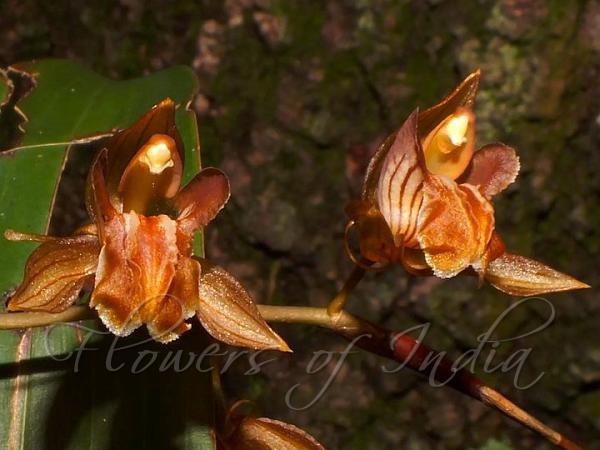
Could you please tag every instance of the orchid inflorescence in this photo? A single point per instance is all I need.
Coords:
(426, 204)
(139, 247)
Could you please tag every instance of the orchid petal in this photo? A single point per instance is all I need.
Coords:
(268, 434)
(369, 190)
(523, 277)
(229, 314)
(374, 235)
(152, 176)
(201, 199)
(178, 305)
(455, 226)
(117, 291)
(168, 321)
(125, 143)
(55, 274)
(462, 97)
(482, 217)
(494, 249)
(493, 168)
(98, 202)
(449, 147)
(414, 262)
(399, 193)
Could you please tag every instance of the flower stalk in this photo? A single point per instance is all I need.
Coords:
(337, 304)
(373, 338)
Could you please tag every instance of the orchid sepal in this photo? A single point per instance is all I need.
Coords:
(524, 277)
(247, 432)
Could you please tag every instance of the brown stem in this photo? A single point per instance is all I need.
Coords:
(399, 347)
(418, 357)
(219, 402)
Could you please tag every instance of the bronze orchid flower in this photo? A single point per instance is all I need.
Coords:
(246, 432)
(426, 202)
(138, 251)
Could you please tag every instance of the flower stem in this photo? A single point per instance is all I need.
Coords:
(339, 301)
(219, 403)
(412, 353)
(15, 321)
(401, 348)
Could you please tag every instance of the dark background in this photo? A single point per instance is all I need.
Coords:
(294, 98)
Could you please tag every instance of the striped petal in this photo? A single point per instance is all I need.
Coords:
(399, 193)
(369, 190)
(229, 314)
(55, 274)
(98, 201)
(462, 97)
(268, 434)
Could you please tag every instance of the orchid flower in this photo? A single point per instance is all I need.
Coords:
(246, 432)
(138, 251)
(427, 202)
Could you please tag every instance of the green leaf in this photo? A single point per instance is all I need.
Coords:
(78, 403)
(28, 179)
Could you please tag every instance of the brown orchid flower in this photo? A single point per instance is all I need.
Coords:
(246, 432)
(138, 251)
(427, 202)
